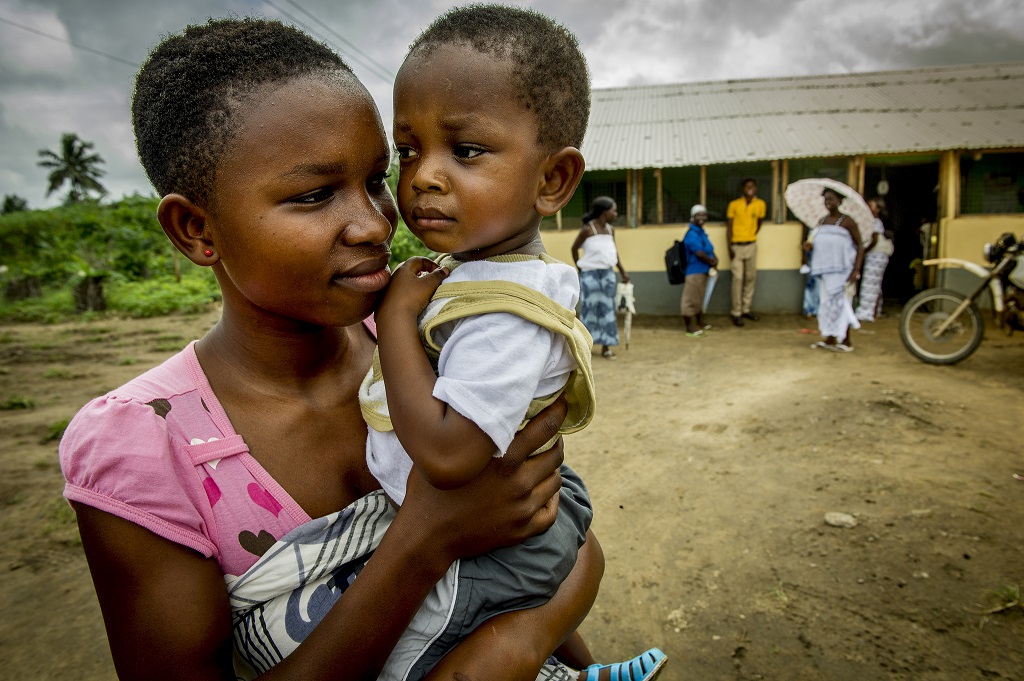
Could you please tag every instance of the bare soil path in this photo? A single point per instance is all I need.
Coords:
(712, 464)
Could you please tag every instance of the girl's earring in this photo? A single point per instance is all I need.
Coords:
(208, 252)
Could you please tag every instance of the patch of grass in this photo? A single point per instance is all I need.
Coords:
(779, 593)
(7, 338)
(169, 346)
(44, 464)
(127, 361)
(18, 402)
(1002, 599)
(55, 431)
(57, 372)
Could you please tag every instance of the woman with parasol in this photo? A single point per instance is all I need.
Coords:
(838, 255)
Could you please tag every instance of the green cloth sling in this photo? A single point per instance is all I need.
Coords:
(470, 298)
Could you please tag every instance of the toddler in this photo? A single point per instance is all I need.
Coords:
(491, 106)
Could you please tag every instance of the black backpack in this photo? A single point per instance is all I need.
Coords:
(675, 263)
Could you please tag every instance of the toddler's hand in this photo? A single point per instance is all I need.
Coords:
(411, 287)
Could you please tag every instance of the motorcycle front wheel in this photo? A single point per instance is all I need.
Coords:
(921, 327)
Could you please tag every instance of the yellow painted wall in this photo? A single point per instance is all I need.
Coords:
(965, 237)
(643, 249)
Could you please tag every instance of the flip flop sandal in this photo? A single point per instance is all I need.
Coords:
(643, 667)
(608, 354)
(695, 334)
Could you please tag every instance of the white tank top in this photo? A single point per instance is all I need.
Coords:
(599, 252)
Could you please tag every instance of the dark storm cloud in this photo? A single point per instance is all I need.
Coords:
(48, 87)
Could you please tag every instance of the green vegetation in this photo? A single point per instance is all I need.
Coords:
(17, 402)
(13, 204)
(1002, 599)
(95, 259)
(92, 259)
(55, 431)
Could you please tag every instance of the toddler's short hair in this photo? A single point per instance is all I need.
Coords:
(189, 93)
(550, 72)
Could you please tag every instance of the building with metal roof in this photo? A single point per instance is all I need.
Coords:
(692, 124)
(944, 146)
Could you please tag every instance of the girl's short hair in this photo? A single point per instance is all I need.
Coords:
(189, 93)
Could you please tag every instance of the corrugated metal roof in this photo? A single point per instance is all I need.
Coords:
(957, 107)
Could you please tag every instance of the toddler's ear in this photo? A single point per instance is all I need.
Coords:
(562, 173)
(184, 223)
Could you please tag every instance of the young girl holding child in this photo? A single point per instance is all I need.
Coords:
(198, 484)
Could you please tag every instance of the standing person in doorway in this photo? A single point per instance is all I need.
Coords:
(700, 258)
(876, 259)
(743, 220)
(597, 276)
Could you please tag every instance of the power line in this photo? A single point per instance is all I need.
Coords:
(374, 70)
(341, 37)
(73, 44)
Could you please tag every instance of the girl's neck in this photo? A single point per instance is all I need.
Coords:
(280, 358)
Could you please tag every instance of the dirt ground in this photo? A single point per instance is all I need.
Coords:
(712, 464)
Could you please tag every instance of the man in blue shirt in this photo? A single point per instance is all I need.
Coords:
(700, 258)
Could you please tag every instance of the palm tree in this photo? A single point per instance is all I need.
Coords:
(74, 165)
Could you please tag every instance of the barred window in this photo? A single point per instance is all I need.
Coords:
(991, 183)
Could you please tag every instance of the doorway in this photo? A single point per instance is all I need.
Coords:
(910, 188)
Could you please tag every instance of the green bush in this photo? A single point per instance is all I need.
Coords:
(164, 295)
(18, 402)
(58, 245)
(53, 306)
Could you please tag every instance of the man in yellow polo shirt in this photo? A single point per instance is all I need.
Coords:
(743, 220)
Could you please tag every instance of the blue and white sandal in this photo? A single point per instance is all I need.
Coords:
(643, 667)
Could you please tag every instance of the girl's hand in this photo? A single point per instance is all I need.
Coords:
(411, 287)
(515, 497)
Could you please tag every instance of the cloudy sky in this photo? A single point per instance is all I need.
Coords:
(52, 80)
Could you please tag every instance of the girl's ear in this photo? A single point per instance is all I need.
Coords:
(562, 173)
(184, 223)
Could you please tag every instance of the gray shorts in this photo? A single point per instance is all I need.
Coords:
(517, 577)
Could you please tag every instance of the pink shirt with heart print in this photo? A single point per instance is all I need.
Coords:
(160, 452)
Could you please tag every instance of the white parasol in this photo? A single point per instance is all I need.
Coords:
(625, 303)
(712, 280)
(804, 198)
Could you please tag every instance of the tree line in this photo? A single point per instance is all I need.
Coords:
(89, 256)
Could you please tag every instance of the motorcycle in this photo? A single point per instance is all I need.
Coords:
(939, 326)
